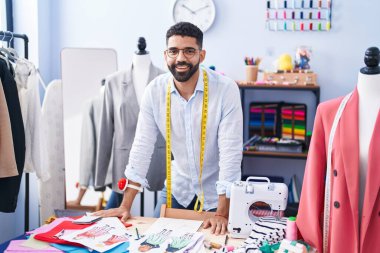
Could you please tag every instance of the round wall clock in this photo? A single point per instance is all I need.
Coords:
(199, 12)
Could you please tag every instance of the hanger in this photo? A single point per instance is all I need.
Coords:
(11, 52)
(38, 73)
(3, 50)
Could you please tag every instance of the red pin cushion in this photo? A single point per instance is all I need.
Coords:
(123, 184)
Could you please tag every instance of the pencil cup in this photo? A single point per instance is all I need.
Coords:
(251, 73)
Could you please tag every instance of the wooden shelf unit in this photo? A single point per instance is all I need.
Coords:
(244, 85)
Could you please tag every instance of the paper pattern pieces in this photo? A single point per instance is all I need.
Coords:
(102, 236)
(169, 235)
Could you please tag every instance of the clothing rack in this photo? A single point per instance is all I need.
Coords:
(9, 38)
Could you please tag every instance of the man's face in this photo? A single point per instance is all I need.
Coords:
(183, 57)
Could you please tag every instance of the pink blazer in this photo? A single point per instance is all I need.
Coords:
(344, 233)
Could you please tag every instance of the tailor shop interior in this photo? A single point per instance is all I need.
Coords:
(189, 126)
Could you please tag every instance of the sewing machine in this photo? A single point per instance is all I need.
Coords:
(246, 194)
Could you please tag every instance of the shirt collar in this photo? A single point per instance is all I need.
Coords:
(199, 86)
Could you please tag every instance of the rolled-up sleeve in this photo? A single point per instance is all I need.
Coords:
(143, 144)
(230, 140)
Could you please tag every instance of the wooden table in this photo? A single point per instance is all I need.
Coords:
(143, 224)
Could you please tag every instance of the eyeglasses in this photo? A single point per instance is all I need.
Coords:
(188, 52)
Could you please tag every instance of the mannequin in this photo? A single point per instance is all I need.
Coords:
(140, 68)
(124, 90)
(369, 105)
(141, 63)
(343, 215)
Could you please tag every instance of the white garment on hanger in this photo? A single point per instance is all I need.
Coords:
(52, 192)
(28, 89)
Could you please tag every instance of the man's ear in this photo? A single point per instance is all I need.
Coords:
(202, 55)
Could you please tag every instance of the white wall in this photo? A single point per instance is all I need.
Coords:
(238, 31)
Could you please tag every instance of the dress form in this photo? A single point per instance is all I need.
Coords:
(140, 69)
(369, 106)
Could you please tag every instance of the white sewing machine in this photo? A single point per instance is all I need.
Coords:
(245, 194)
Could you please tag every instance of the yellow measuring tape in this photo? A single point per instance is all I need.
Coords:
(200, 199)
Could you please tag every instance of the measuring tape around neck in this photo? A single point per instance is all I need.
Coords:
(326, 212)
(200, 198)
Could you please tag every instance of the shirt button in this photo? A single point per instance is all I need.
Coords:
(335, 173)
(336, 204)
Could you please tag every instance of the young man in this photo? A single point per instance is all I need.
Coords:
(178, 99)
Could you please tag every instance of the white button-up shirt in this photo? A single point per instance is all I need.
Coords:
(224, 137)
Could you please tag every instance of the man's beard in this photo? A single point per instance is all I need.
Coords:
(186, 75)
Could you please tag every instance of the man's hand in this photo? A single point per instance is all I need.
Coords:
(219, 222)
(124, 210)
(121, 211)
(218, 225)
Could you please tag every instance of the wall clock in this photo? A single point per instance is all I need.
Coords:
(199, 12)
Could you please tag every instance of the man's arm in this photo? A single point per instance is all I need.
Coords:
(230, 142)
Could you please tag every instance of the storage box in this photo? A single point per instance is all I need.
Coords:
(291, 79)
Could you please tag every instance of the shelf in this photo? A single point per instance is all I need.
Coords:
(251, 85)
(244, 86)
(301, 156)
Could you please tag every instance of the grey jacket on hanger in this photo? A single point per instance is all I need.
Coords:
(90, 144)
(118, 122)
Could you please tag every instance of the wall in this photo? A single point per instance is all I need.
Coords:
(238, 31)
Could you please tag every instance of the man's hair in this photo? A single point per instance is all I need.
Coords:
(185, 29)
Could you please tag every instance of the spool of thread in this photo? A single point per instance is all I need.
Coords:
(328, 26)
(215, 245)
(291, 229)
(229, 248)
(211, 245)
